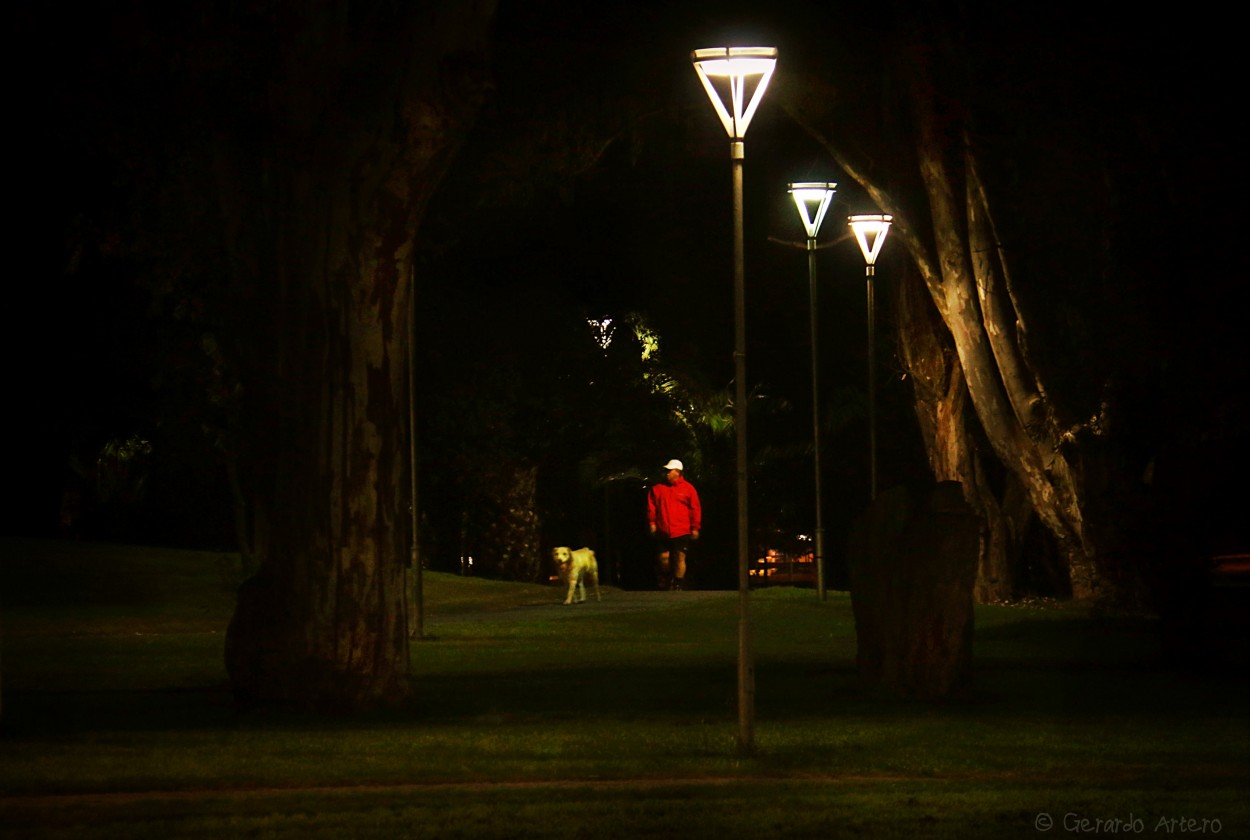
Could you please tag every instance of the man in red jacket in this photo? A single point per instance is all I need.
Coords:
(675, 517)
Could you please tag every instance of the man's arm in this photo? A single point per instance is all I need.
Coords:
(696, 513)
(651, 510)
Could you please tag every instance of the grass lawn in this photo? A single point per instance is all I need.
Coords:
(612, 719)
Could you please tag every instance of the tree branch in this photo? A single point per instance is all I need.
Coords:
(998, 310)
(903, 227)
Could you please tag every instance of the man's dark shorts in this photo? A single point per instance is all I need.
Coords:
(680, 545)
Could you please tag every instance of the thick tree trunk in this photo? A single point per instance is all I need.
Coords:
(323, 622)
(913, 562)
(363, 122)
(949, 429)
(974, 308)
(942, 218)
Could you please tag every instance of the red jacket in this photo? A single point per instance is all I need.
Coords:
(674, 508)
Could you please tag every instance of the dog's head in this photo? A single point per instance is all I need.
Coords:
(562, 556)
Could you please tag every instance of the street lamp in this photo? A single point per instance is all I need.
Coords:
(812, 200)
(743, 74)
(870, 231)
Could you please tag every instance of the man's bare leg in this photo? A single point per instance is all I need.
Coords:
(679, 571)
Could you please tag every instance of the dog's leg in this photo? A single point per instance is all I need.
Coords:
(572, 588)
(581, 589)
(594, 578)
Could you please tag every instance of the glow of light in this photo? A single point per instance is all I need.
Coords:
(812, 199)
(870, 232)
(735, 68)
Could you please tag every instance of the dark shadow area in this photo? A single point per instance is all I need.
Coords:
(1072, 687)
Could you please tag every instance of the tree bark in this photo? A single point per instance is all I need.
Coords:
(977, 313)
(942, 217)
(913, 563)
(950, 433)
(364, 117)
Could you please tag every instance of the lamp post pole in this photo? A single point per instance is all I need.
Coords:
(812, 201)
(871, 271)
(416, 619)
(737, 68)
(870, 231)
(820, 522)
(746, 651)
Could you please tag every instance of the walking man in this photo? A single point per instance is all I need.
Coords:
(675, 517)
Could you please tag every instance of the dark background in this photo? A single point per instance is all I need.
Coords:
(526, 239)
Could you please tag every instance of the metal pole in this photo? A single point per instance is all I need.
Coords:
(746, 663)
(872, 390)
(417, 629)
(820, 526)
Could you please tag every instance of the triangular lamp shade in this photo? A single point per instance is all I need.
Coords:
(735, 79)
(870, 231)
(812, 199)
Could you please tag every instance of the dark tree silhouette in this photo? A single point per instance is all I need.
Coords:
(363, 105)
(273, 161)
(1017, 178)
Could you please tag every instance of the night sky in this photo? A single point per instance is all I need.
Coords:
(645, 226)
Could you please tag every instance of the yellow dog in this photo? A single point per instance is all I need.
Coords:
(574, 566)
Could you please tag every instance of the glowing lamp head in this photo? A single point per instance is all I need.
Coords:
(735, 79)
(870, 232)
(813, 199)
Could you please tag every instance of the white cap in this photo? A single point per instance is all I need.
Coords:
(674, 465)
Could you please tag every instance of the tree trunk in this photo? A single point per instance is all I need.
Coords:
(942, 217)
(363, 121)
(967, 284)
(944, 221)
(913, 562)
(950, 433)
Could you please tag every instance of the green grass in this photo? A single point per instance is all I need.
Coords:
(536, 720)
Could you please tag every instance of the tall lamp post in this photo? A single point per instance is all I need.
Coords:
(743, 74)
(812, 200)
(870, 231)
